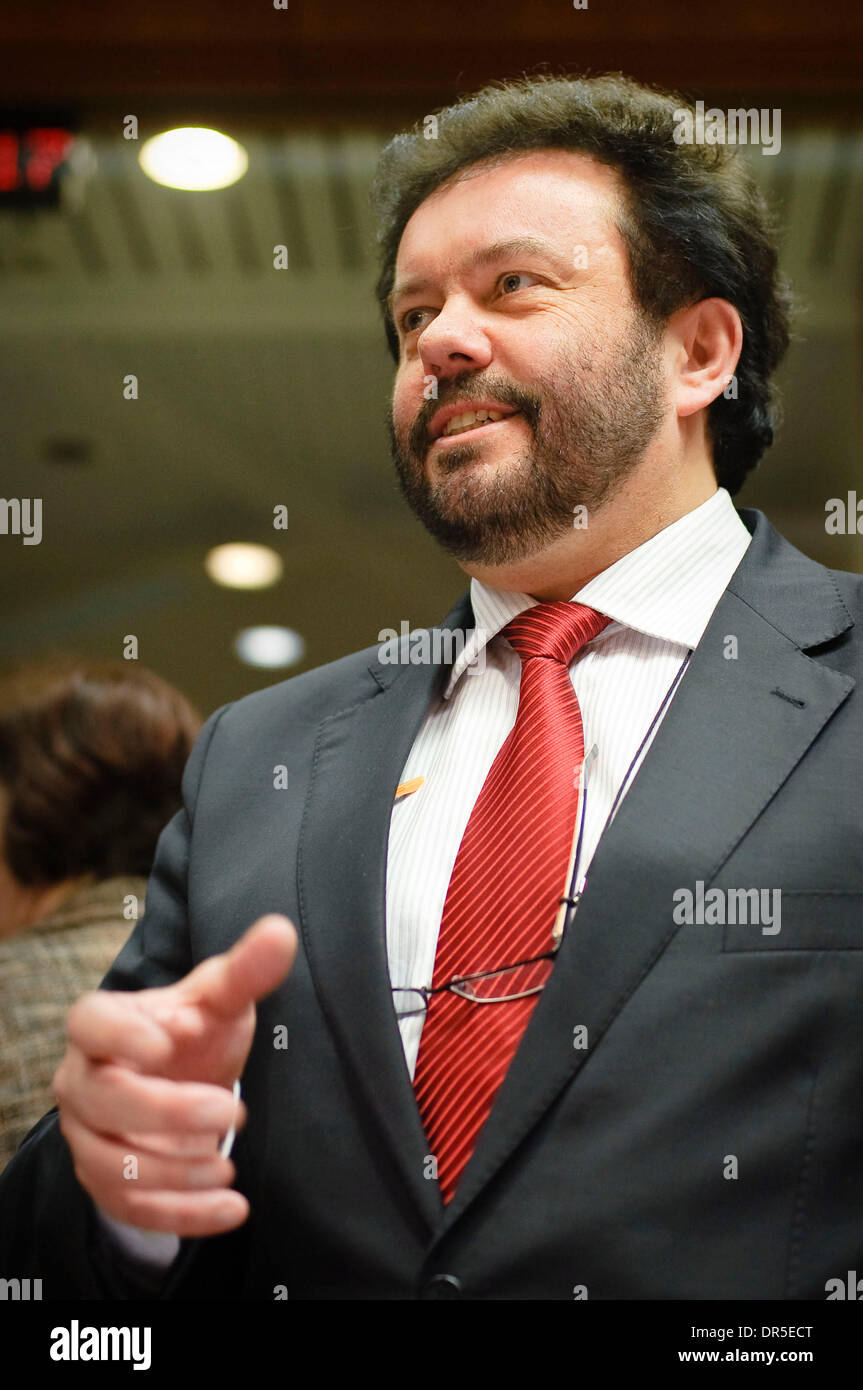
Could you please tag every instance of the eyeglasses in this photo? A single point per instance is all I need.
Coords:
(498, 986)
(525, 977)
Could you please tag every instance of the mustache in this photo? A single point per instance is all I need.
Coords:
(514, 396)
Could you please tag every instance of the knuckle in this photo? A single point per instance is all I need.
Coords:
(133, 1205)
(112, 1075)
(139, 1210)
(115, 1084)
(79, 1011)
(164, 1110)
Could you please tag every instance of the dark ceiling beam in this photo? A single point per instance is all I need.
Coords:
(310, 76)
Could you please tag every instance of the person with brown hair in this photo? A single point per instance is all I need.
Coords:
(91, 757)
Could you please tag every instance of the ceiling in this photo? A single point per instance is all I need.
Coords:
(260, 387)
(388, 57)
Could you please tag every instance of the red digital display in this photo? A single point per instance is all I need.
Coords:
(31, 161)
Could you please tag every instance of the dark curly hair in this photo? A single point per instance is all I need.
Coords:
(91, 760)
(694, 222)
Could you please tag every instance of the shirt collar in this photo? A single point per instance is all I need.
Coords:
(667, 587)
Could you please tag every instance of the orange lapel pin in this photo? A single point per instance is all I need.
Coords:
(405, 788)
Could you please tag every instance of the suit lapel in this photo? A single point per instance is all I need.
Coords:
(359, 755)
(732, 735)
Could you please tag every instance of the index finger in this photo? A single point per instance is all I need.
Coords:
(107, 1023)
(253, 967)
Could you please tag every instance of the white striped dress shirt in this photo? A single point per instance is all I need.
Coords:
(660, 598)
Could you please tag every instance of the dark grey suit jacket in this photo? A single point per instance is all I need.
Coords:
(708, 1141)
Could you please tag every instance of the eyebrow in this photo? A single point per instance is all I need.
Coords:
(483, 256)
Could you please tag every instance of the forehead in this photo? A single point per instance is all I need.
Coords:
(561, 195)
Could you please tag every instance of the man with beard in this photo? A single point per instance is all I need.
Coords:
(494, 1061)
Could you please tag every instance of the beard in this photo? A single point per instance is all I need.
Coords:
(592, 422)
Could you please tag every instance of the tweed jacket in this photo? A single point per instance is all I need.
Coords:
(42, 973)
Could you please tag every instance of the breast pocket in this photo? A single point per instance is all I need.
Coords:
(807, 920)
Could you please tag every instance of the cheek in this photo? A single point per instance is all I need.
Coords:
(405, 403)
(535, 351)
(592, 325)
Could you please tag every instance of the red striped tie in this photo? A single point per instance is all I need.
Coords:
(506, 884)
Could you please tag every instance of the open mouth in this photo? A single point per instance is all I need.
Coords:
(474, 422)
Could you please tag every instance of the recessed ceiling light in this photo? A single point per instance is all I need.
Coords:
(194, 158)
(67, 449)
(269, 646)
(243, 566)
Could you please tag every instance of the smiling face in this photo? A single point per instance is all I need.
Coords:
(512, 292)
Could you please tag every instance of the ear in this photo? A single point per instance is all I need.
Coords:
(706, 341)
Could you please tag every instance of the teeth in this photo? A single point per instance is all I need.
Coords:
(470, 419)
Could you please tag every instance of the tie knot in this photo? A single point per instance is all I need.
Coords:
(554, 630)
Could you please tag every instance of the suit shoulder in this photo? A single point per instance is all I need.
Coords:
(850, 587)
(311, 695)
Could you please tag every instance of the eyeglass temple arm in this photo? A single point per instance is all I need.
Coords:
(572, 900)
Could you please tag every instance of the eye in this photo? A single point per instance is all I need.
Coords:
(515, 275)
(407, 324)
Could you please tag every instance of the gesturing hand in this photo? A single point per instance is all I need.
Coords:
(146, 1077)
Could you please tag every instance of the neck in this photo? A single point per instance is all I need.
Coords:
(643, 506)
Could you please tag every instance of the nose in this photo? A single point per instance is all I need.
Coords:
(454, 342)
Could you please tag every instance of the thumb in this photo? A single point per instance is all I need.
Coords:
(253, 967)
